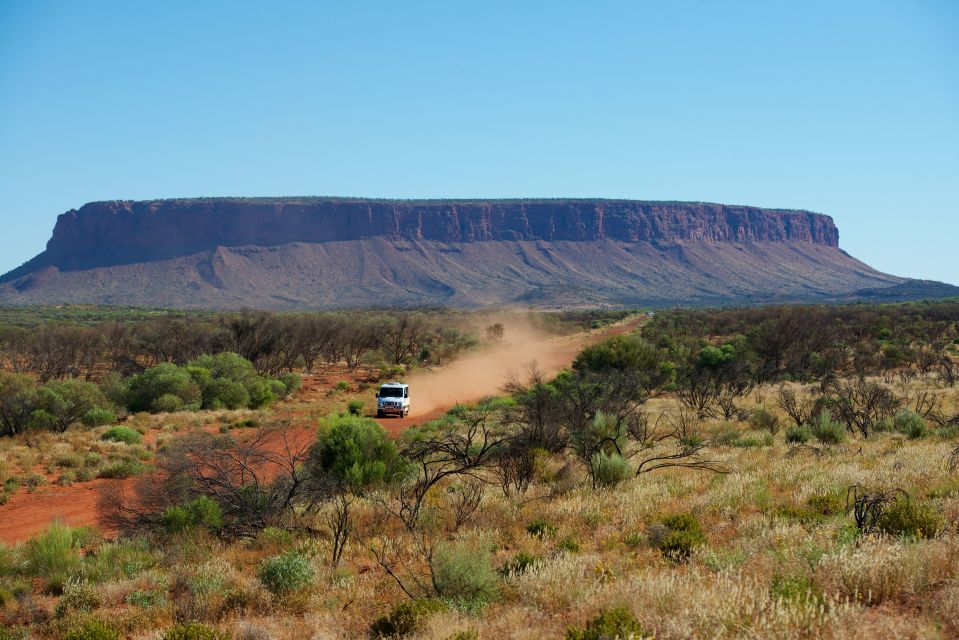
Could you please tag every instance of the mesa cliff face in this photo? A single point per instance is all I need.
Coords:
(103, 233)
(328, 252)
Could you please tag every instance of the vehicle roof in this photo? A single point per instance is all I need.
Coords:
(394, 384)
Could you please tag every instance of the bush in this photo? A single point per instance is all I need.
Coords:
(194, 631)
(53, 552)
(541, 528)
(286, 573)
(146, 599)
(519, 563)
(92, 629)
(827, 430)
(910, 424)
(907, 517)
(201, 513)
(122, 469)
(762, 420)
(18, 394)
(678, 536)
(355, 451)
(68, 401)
(167, 403)
(122, 434)
(829, 504)
(355, 407)
(291, 383)
(608, 470)
(617, 623)
(98, 417)
(464, 574)
(406, 618)
(798, 435)
(78, 596)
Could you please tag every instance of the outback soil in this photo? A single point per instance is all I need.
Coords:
(468, 379)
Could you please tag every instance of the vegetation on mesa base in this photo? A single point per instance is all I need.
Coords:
(516, 513)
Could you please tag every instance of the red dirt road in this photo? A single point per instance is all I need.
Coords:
(467, 380)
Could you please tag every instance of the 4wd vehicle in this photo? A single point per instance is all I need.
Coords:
(393, 398)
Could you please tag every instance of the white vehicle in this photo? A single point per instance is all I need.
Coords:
(393, 398)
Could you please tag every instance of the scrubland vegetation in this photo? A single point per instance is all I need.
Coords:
(774, 472)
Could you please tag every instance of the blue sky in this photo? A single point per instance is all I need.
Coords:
(847, 108)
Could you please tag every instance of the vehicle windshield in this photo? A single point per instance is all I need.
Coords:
(391, 392)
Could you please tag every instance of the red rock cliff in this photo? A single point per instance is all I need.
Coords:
(102, 233)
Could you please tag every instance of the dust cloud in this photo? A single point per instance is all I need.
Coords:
(478, 375)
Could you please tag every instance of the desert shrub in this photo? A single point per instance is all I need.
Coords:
(291, 383)
(825, 429)
(354, 451)
(406, 618)
(608, 470)
(519, 563)
(911, 518)
(146, 599)
(18, 394)
(167, 403)
(122, 469)
(798, 435)
(68, 401)
(762, 420)
(678, 536)
(225, 394)
(635, 540)
(355, 407)
(910, 424)
(541, 528)
(78, 596)
(617, 623)
(194, 631)
(286, 573)
(53, 552)
(122, 434)
(796, 586)
(464, 574)
(92, 629)
(274, 538)
(201, 513)
(155, 389)
(828, 504)
(98, 417)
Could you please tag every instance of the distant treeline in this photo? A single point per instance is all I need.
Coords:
(810, 342)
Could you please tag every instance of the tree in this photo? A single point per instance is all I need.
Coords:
(18, 396)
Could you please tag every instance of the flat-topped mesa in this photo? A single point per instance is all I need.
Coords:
(116, 232)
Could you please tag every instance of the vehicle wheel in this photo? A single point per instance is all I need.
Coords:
(379, 414)
(406, 412)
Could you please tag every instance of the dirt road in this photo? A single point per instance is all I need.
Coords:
(471, 378)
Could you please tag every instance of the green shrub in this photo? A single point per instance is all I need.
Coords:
(274, 538)
(406, 618)
(541, 528)
(167, 403)
(146, 599)
(617, 623)
(78, 596)
(794, 587)
(910, 424)
(98, 417)
(53, 552)
(122, 434)
(608, 470)
(520, 563)
(464, 574)
(635, 540)
(165, 387)
(829, 504)
(18, 395)
(201, 513)
(194, 631)
(355, 407)
(907, 517)
(762, 420)
(291, 383)
(92, 629)
(286, 573)
(569, 544)
(753, 441)
(225, 394)
(122, 469)
(678, 536)
(68, 401)
(355, 451)
(798, 435)
(827, 430)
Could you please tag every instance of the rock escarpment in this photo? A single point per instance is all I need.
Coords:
(330, 252)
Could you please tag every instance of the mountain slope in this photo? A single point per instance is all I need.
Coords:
(328, 253)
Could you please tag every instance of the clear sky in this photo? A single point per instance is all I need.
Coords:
(847, 108)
